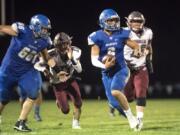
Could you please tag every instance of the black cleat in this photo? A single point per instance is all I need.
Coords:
(21, 126)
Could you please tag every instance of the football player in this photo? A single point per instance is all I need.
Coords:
(139, 80)
(110, 40)
(17, 67)
(63, 77)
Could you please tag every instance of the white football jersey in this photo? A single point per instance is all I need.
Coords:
(144, 41)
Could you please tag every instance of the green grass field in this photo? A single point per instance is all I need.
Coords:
(162, 117)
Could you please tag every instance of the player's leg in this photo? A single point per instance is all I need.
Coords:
(22, 95)
(141, 82)
(112, 100)
(118, 83)
(6, 84)
(37, 106)
(61, 97)
(129, 89)
(31, 83)
(77, 101)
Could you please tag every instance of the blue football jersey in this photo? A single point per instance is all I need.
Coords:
(110, 44)
(23, 51)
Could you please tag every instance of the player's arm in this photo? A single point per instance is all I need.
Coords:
(150, 50)
(50, 61)
(134, 45)
(149, 59)
(75, 59)
(94, 57)
(9, 30)
(96, 62)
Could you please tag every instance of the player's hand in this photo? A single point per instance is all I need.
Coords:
(137, 52)
(51, 62)
(69, 53)
(110, 62)
(47, 74)
(63, 76)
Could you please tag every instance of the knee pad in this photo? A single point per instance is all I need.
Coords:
(4, 102)
(141, 101)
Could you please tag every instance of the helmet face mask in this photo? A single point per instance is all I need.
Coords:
(113, 24)
(62, 42)
(40, 25)
(109, 20)
(136, 21)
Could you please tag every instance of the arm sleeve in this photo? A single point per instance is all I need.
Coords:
(95, 62)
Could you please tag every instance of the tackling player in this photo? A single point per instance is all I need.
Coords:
(139, 79)
(109, 43)
(17, 67)
(62, 76)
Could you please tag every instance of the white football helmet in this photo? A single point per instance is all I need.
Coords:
(135, 21)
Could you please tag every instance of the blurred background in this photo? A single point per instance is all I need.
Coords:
(79, 18)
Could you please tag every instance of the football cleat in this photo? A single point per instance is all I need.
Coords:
(21, 126)
(75, 124)
(112, 112)
(37, 117)
(140, 124)
(132, 122)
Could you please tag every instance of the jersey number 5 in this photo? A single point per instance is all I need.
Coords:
(28, 54)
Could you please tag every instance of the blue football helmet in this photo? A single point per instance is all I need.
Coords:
(41, 25)
(109, 14)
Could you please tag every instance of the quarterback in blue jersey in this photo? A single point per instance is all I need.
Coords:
(107, 53)
(17, 67)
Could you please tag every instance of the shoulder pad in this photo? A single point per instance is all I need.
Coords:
(18, 26)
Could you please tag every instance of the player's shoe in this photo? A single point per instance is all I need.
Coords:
(21, 126)
(132, 122)
(75, 124)
(140, 125)
(37, 117)
(112, 112)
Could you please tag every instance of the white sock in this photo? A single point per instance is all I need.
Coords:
(140, 115)
(128, 113)
(75, 122)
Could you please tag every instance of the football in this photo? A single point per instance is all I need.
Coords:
(107, 57)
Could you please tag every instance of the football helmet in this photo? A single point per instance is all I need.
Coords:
(109, 20)
(41, 25)
(135, 21)
(62, 41)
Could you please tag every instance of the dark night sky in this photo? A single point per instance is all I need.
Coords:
(79, 18)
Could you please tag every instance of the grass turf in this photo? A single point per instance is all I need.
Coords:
(162, 117)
